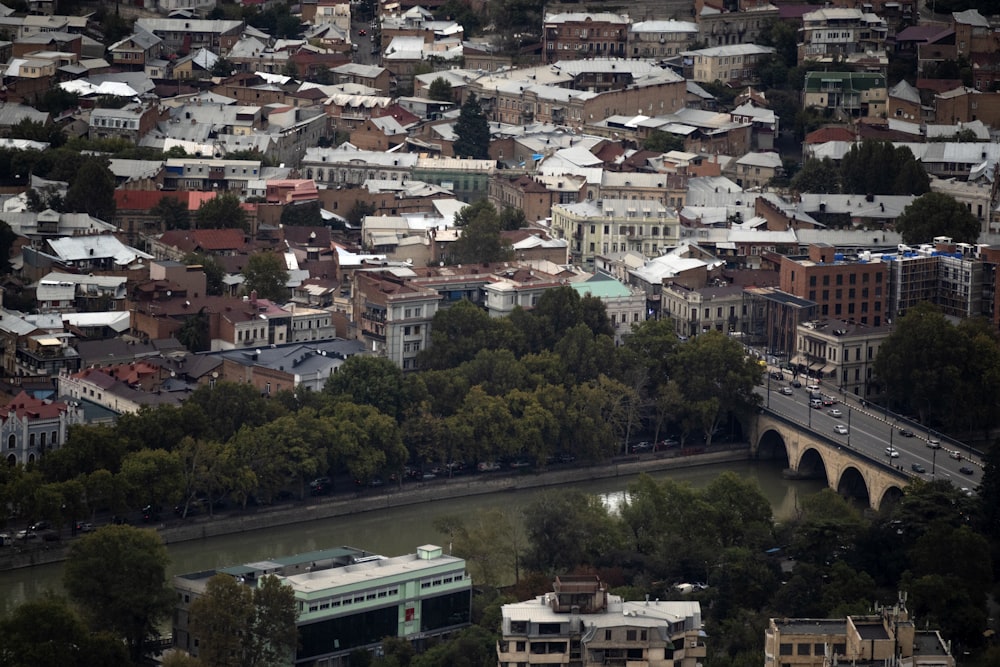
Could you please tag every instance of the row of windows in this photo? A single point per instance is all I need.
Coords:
(852, 278)
(347, 600)
(431, 583)
(817, 649)
(12, 440)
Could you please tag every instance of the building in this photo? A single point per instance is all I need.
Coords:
(349, 599)
(393, 317)
(659, 39)
(734, 63)
(842, 351)
(862, 94)
(888, 636)
(615, 225)
(842, 288)
(695, 310)
(580, 624)
(836, 32)
(31, 426)
(573, 35)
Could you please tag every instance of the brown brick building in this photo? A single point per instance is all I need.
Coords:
(842, 289)
(575, 35)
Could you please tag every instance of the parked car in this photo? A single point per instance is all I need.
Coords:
(891, 452)
(957, 455)
(776, 375)
(916, 467)
(667, 443)
(796, 384)
(834, 412)
(787, 391)
(39, 526)
(320, 486)
(643, 446)
(841, 429)
(966, 470)
(84, 527)
(519, 463)
(906, 433)
(488, 466)
(933, 443)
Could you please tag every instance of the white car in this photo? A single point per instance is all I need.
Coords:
(812, 387)
(841, 429)
(933, 443)
(891, 452)
(834, 412)
(787, 391)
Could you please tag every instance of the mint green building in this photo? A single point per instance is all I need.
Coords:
(349, 599)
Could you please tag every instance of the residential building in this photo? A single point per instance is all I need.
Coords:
(343, 166)
(270, 370)
(135, 51)
(130, 123)
(755, 170)
(217, 35)
(348, 599)
(614, 225)
(735, 63)
(514, 287)
(833, 31)
(659, 39)
(580, 623)
(624, 305)
(842, 287)
(568, 36)
(860, 94)
(31, 426)
(534, 195)
(771, 319)
(392, 316)
(113, 388)
(208, 174)
(842, 351)
(889, 635)
(715, 306)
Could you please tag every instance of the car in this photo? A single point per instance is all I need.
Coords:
(916, 467)
(796, 384)
(519, 463)
(891, 452)
(829, 400)
(566, 458)
(787, 391)
(84, 527)
(957, 455)
(966, 470)
(362, 32)
(776, 375)
(816, 403)
(26, 535)
(841, 429)
(966, 491)
(39, 526)
(906, 433)
(812, 387)
(488, 466)
(933, 443)
(643, 446)
(834, 412)
(667, 443)
(320, 486)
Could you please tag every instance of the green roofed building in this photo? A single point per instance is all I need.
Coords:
(859, 94)
(350, 599)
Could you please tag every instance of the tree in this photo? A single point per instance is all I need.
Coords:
(472, 131)
(480, 240)
(512, 218)
(225, 211)
(937, 214)
(817, 176)
(878, 167)
(440, 90)
(238, 625)
(172, 213)
(223, 68)
(302, 214)
(118, 577)
(663, 142)
(568, 529)
(266, 273)
(7, 238)
(194, 333)
(92, 191)
(48, 633)
(367, 380)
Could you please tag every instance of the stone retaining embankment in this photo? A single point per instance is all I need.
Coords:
(387, 498)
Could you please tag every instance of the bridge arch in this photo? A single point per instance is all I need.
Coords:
(852, 484)
(812, 465)
(771, 447)
(890, 498)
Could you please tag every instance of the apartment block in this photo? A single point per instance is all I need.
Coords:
(392, 316)
(573, 35)
(615, 225)
(842, 288)
(840, 350)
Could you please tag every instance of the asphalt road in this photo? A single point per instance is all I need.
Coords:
(870, 432)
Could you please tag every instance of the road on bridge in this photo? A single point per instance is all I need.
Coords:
(870, 431)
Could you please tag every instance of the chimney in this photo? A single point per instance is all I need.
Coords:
(253, 297)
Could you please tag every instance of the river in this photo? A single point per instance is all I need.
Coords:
(396, 531)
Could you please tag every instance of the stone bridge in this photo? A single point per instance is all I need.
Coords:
(847, 471)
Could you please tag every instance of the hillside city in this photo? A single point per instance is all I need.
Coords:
(256, 256)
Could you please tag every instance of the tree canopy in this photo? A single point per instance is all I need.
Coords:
(878, 167)
(224, 211)
(937, 214)
(92, 191)
(472, 131)
(266, 274)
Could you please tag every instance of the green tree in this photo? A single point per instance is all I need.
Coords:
(663, 142)
(368, 380)
(224, 211)
(34, 130)
(227, 407)
(7, 238)
(512, 218)
(223, 67)
(194, 333)
(152, 477)
(118, 577)
(440, 90)
(172, 213)
(817, 176)
(266, 273)
(245, 626)
(48, 633)
(480, 239)
(937, 214)
(878, 167)
(567, 530)
(92, 191)
(472, 131)
(302, 214)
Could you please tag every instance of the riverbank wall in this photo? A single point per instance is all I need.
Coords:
(368, 500)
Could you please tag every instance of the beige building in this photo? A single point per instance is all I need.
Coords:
(615, 225)
(580, 624)
(881, 638)
(657, 39)
(736, 63)
(697, 310)
(840, 350)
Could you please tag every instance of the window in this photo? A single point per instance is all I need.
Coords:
(802, 649)
(630, 635)
(785, 649)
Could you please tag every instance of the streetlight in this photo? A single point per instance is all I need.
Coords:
(768, 389)
(848, 424)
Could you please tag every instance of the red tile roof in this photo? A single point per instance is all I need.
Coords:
(205, 239)
(825, 134)
(26, 405)
(143, 200)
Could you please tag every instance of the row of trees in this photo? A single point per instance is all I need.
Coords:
(870, 167)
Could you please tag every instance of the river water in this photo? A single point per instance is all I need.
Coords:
(400, 530)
